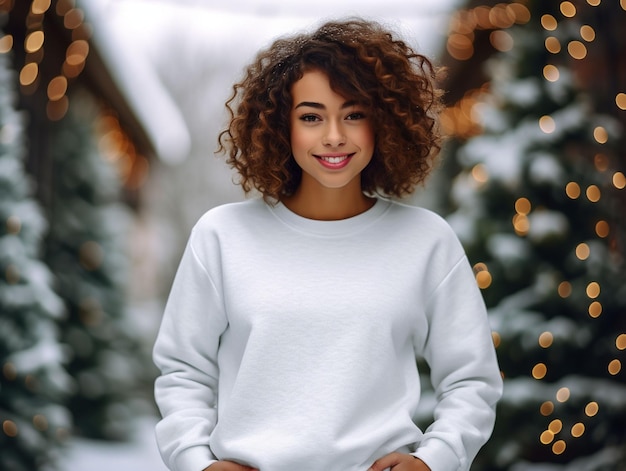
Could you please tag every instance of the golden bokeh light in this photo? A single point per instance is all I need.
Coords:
(587, 33)
(565, 289)
(552, 45)
(619, 180)
(562, 395)
(578, 430)
(592, 409)
(501, 40)
(594, 3)
(9, 428)
(572, 189)
(539, 371)
(551, 73)
(29, 74)
(39, 7)
(57, 88)
(34, 41)
(595, 309)
(479, 173)
(483, 279)
(523, 206)
(549, 22)
(555, 426)
(547, 124)
(620, 100)
(568, 9)
(546, 408)
(620, 342)
(6, 43)
(593, 290)
(582, 251)
(600, 135)
(521, 224)
(577, 50)
(559, 447)
(496, 338)
(593, 193)
(73, 18)
(615, 366)
(546, 339)
(546, 437)
(460, 46)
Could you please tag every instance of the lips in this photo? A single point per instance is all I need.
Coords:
(334, 161)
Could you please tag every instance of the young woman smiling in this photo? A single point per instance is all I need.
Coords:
(290, 336)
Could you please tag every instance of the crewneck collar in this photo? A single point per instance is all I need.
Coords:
(330, 228)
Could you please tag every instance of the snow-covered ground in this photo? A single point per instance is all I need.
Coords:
(140, 454)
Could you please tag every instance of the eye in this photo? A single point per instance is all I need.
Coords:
(309, 118)
(356, 115)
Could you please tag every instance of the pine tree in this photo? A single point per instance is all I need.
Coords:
(33, 383)
(85, 249)
(540, 209)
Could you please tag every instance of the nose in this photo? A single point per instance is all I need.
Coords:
(334, 135)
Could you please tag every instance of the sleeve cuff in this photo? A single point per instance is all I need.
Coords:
(438, 455)
(196, 458)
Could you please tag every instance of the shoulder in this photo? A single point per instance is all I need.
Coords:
(420, 220)
(228, 215)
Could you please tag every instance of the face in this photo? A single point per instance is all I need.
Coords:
(332, 139)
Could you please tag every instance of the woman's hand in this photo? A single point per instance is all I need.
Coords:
(399, 462)
(228, 466)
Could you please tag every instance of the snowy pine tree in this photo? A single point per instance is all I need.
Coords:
(540, 209)
(86, 251)
(33, 383)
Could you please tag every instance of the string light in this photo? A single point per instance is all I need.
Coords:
(559, 447)
(547, 408)
(615, 366)
(620, 100)
(552, 44)
(600, 135)
(551, 73)
(593, 193)
(546, 339)
(592, 409)
(595, 309)
(483, 277)
(568, 9)
(549, 22)
(587, 33)
(539, 371)
(547, 124)
(593, 290)
(577, 50)
(572, 189)
(564, 289)
(620, 342)
(562, 395)
(578, 430)
(582, 251)
(619, 180)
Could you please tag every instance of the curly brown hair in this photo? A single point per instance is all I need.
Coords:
(363, 62)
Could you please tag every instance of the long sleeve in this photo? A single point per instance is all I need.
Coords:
(464, 372)
(186, 353)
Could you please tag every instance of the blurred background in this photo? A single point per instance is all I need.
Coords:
(109, 115)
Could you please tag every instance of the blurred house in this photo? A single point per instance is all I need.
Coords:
(62, 51)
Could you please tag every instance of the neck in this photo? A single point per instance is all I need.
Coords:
(328, 204)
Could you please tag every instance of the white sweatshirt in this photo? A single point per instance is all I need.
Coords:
(290, 344)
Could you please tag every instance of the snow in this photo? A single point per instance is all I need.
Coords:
(140, 454)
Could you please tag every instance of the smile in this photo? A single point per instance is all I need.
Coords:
(334, 160)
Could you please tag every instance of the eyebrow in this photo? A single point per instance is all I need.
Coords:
(320, 106)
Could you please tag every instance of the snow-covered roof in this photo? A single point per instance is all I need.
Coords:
(140, 86)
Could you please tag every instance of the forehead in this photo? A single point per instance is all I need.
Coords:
(314, 85)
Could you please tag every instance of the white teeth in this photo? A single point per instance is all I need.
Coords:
(334, 160)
